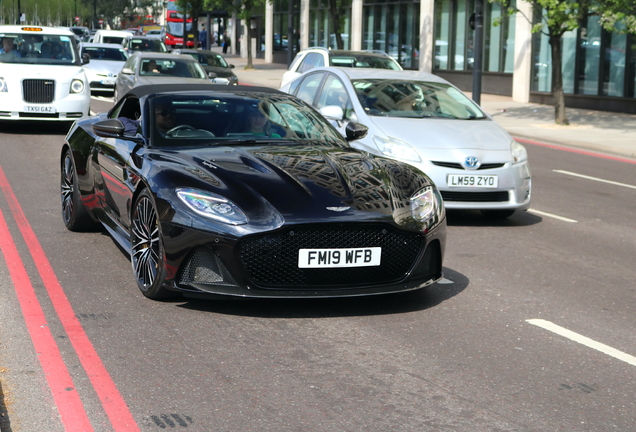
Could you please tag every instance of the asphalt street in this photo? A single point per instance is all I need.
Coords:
(532, 328)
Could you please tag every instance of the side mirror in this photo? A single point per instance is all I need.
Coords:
(127, 71)
(232, 66)
(211, 75)
(332, 112)
(110, 128)
(355, 131)
(86, 59)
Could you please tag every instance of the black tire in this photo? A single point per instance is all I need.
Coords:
(498, 214)
(146, 244)
(74, 214)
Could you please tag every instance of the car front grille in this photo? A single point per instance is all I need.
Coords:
(499, 196)
(271, 260)
(455, 165)
(38, 90)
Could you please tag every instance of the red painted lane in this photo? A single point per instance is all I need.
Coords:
(575, 150)
(114, 405)
(72, 412)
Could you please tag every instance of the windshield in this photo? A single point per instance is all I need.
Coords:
(210, 60)
(414, 99)
(242, 118)
(172, 68)
(362, 61)
(37, 49)
(108, 54)
(176, 28)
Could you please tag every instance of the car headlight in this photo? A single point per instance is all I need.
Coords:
(3, 85)
(427, 207)
(519, 152)
(213, 206)
(77, 86)
(396, 149)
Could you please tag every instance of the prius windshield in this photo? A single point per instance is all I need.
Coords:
(414, 99)
(38, 48)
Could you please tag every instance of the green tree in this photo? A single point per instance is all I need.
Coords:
(561, 16)
(245, 10)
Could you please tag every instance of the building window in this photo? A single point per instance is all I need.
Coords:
(321, 29)
(393, 27)
(454, 38)
(595, 62)
(281, 24)
(589, 59)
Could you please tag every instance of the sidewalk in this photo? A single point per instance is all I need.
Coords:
(601, 131)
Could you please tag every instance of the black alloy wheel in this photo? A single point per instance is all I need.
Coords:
(74, 214)
(147, 254)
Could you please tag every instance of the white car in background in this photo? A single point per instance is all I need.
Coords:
(110, 36)
(42, 77)
(424, 120)
(314, 57)
(106, 63)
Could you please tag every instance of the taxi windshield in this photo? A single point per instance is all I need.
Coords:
(37, 48)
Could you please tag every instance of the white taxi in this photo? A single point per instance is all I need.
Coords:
(41, 75)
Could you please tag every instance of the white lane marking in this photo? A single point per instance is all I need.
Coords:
(561, 218)
(590, 343)
(444, 281)
(596, 179)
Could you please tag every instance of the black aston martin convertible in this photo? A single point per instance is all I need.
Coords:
(248, 191)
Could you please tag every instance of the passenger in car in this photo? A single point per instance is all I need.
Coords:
(258, 124)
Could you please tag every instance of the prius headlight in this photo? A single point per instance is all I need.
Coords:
(519, 153)
(396, 148)
(427, 207)
(213, 206)
(3, 85)
(77, 86)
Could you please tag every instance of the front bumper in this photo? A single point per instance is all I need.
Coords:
(64, 107)
(260, 266)
(514, 190)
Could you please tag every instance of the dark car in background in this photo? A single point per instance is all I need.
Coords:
(217, 68)
(204, 204)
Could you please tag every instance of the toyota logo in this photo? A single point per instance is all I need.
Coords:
(471, 162)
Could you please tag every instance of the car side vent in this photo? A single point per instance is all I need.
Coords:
(203, 267)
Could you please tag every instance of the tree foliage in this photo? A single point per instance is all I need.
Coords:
(63, 12)
(561, 16)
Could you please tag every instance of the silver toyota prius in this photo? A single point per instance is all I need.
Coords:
(424, 120)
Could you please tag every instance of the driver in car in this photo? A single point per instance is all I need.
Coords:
(164, 117)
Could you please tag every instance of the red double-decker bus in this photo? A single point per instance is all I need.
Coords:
(174, 27)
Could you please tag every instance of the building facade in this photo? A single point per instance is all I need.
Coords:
(599, 67)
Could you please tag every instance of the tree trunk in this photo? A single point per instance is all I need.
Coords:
(557, 81)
